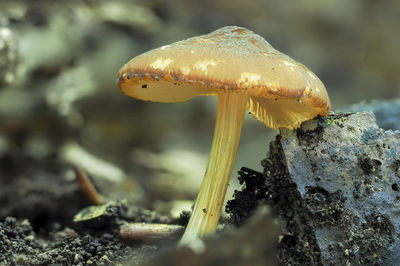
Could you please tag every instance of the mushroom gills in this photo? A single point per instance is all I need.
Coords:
(289, 113)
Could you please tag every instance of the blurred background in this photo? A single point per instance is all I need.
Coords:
(60, 106)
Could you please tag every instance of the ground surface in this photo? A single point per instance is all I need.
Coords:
(329, 190)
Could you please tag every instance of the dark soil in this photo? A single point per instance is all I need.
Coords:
(45, 234)
(20, 245)
(272, 188)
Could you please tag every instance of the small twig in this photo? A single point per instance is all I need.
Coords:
(87, 187)
(150, 232)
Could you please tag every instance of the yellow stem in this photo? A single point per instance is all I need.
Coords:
(209, 203)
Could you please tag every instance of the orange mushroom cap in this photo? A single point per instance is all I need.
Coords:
(281, 91)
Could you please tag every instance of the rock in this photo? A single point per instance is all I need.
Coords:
(335, 184)
(387, 112)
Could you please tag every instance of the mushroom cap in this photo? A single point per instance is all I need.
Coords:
(281, 92)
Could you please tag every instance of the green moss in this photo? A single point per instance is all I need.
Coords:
(330, 121)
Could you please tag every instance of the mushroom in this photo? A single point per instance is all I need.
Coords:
(246, 73)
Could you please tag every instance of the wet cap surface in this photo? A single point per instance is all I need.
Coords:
(281, 92)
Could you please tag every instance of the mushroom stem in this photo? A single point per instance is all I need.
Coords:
(228, 126)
